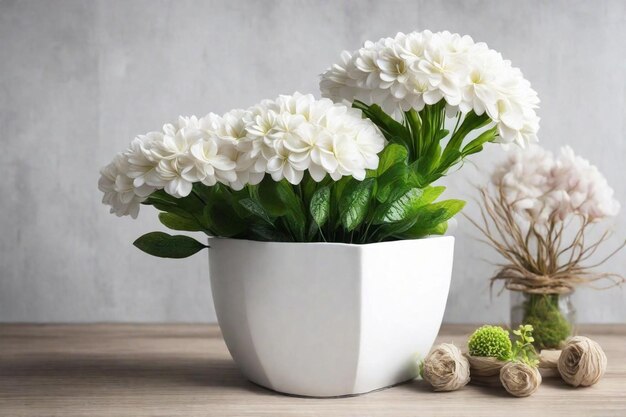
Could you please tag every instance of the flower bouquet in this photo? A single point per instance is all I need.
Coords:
(342, 173)
(538, 213)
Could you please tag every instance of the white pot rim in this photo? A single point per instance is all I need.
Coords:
(387, 243)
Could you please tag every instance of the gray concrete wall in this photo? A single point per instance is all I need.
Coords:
(78, 79)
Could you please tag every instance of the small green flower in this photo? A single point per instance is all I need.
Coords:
(491, 341)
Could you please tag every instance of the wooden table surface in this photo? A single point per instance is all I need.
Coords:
(185, 370)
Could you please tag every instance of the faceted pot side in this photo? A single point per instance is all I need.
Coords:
(329, 319)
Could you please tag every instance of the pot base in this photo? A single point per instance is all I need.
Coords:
(331, 397)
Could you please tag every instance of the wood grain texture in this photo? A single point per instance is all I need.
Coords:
(185, 370)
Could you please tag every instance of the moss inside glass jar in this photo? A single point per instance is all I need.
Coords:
(551, 315)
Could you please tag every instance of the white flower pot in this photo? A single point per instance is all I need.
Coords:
(330, 319)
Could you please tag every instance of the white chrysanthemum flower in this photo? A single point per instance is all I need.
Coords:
(119, 191)
(337, 84)
(311, 148)
(211, 163)
(540, 186)
(141, 163)
(366, 73)
(442, 69)
(369, 145)
(349, 159)
(419, 68)
(230, 130)
(230, 127)
(176, 167)
(281, 166)
(296, 104)
(296, 134)
(285, 138)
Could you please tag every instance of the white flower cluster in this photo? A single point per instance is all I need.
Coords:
(284, 138)
(419, 68)
(539, 185)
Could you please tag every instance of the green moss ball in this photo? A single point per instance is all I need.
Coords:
(490, 341)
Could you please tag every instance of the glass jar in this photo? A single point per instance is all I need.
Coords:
(552, 316)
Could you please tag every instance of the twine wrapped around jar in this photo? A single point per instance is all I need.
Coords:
(519, 279)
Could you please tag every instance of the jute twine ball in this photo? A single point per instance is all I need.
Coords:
(519, 379)
(484, 365)
(445, 368)
(582, 362)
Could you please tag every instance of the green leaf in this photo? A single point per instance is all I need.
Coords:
(167, 246)
(184, 212)
(429, 217)
(270, 199)
(431, 193)
(451, 158)
(441, 134)
(233, 198)
(476, 145)
(416, 231)
(440, 229)
(191, 204)
(339, 187)
(393, 131)
(393, 178)
(169, 208)
(295, 214)
(429, 159)
(471, 122)
(223, 220)
(266, 232)
(392, 155)
(355, 202)
(414, 122)
(160, 196)
(256, 209)
(405, 204)
(399, 207)
(177, 222)
(309, 186)
(394, 229)
(415, 179)
(320, 206)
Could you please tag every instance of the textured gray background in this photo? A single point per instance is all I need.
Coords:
(78, 79)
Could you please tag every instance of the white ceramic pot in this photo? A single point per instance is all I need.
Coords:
(330, 319)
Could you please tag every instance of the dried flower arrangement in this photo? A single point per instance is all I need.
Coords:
(529, 211)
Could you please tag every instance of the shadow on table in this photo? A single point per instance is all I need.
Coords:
(422, 386)
(151, 371)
